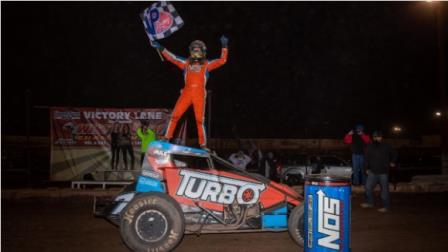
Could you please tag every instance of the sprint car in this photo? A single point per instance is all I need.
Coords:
(183, 190)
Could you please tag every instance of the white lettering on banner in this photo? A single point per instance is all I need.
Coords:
(107, 115)
(123, 115)
(218, 189)
(328, 220)
(148, 115)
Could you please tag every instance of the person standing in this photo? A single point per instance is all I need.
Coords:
(146, 136)
(358, 141)
(240, 159)
(114, 147)
(270, 167)
(258, 157)
(379, 157)
(196, 72)
(125, 144)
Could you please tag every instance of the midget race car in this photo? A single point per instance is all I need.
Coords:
(183, 190)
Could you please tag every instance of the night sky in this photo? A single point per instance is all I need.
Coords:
(295, 69)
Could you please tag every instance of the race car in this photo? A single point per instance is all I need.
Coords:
(184, 190)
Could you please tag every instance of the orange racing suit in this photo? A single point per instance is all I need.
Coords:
(195, 76)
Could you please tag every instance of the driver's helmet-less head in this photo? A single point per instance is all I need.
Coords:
(198, 50)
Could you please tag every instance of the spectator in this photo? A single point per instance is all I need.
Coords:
(114, 148)
(240, 159)
(317, 165)
(270, 167)
(379, 157)
(259, 160)
(125, 144)
(358, 141)
(255, 153)
(146, 136)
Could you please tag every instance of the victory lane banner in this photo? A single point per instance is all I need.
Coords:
(99, 143)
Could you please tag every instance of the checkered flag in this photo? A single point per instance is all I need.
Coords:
(161, 20)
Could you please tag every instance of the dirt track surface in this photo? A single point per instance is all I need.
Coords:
(417, 222)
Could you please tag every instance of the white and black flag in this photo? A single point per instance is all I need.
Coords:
(161, 20)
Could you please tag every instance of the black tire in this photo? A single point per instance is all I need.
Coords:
(152, 222)
(296, 225)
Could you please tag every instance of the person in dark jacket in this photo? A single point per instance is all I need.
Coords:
(379, 157)
(270, 166)
(125, 144)
(358, 141)
(115, 150)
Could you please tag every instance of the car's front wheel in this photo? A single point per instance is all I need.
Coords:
(152, 222)
(296, 225)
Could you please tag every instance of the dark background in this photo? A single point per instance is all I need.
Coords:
(295, 69)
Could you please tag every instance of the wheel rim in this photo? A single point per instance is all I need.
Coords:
(151, 225)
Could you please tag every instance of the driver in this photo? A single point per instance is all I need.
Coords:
(196, 69)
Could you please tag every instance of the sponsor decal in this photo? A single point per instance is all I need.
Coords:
(159, 153)
(310, 221)
(248, 195)
(328, 223)
(151, 174)
(164, 22)
(195, 68)
(160, 21)
(218, 189)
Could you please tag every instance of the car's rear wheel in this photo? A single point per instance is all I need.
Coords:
(296, 226)
(152, 222)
